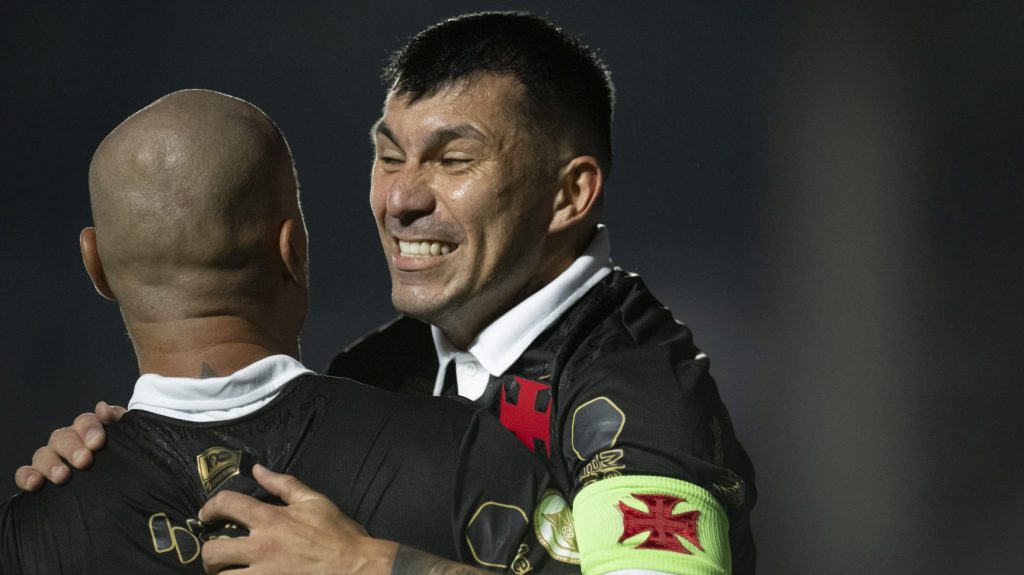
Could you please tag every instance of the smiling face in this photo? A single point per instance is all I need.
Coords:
(463, 195)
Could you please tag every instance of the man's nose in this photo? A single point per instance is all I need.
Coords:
(412, 195)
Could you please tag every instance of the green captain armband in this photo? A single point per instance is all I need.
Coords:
(651, 522)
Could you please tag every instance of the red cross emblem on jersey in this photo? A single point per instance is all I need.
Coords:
(522, 418)
(661, 523)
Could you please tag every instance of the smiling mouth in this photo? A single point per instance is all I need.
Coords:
(425, 248)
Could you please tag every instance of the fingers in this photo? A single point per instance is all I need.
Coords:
(90, 431)
(108, 414)
(235, 507)
(68, 444)
(73, 445)
(28, 479)
(222, 555)
(286, 487)
(46, 462)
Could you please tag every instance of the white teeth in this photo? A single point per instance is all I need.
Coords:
(424, 248)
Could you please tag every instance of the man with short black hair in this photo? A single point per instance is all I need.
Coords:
(487, 189)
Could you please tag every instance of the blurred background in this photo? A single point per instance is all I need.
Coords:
(830, 196)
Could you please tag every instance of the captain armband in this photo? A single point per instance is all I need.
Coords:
(651, 522)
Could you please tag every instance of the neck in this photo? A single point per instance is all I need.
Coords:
(461, 330)
(204, 347)
(561, 250)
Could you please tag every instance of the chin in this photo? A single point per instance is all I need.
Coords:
(417, 306)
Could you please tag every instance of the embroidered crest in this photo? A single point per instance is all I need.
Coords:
(664, 527)
(216, 465)
(555, 529)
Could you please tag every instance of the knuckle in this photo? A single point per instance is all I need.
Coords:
(57, 434)
(42, 454)
(265, 547)
(85, 419)
(215, 502)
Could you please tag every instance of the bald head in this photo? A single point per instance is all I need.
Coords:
(188, 197)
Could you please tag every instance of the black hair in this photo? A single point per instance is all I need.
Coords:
(568, 89)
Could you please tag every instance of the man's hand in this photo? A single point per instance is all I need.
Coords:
(74, 444)
(309, 535)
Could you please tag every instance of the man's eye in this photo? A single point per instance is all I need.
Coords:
(455, 161)
(390, 160)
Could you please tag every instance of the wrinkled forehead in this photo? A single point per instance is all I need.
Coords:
(489, 102)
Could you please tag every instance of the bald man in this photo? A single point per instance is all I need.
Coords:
(200, 239)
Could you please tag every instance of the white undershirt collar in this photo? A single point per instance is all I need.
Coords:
(216, 398)
(501, 343)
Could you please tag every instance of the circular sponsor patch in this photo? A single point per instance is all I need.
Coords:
(552, 520)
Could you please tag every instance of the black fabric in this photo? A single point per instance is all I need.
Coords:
(410, 469)
(630, 377)
(451, 380)
(370, 358)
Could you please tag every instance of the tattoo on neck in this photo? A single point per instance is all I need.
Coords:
(409, 561)
(207, 372)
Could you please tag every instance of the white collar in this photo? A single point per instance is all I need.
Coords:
(216, 398)
(501, 343)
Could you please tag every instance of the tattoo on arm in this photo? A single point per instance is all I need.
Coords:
(409, 561)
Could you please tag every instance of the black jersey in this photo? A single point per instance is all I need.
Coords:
(437, 475)
(615, 387)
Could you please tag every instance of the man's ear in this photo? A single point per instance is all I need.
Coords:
(93, 265)
(292, 245)
(582, 184)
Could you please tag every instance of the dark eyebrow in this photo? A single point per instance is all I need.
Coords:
(446, 134)
(436, 138)
(382, 129)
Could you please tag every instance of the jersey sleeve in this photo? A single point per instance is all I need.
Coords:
(658, 477)
(40, 533)
(653, 523)
(500, 489)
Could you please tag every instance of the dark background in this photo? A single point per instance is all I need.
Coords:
(831, 197)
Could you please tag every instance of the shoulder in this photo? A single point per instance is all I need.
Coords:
(102, 516)
(392, 356)
(622, 330)
(632, 312)
(637, 397)
(419, 420)
(631, 352)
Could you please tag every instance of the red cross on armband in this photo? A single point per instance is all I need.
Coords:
(662, 524)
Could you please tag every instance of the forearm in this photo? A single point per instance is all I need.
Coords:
(409, 561)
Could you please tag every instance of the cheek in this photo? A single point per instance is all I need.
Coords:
(470, 191)
(470, 204)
